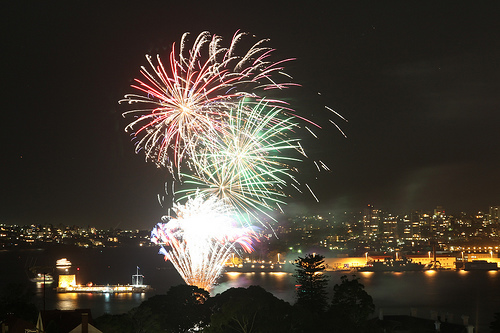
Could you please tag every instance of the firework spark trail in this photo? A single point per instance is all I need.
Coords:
(338, 127)
(190, 98)
(314, 195)
(201, 239)
(324, 166)
(317, 166)
(335, 112)
(312, 133)
(334, 123)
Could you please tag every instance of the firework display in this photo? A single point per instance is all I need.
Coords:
(232, 150)
(249, 163)
(189, 98)
(201, 238)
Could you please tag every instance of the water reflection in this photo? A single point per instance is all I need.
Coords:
(281, 284)
(430, 272)
(68, 301)
(493, 274)
(279, 276)
(107, 302)
(233, 275)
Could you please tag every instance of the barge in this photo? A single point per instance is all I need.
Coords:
(480, 265)
(401, 265)
(251, 267)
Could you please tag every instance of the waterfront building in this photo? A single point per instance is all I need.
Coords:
(494, 214)
(415, 224)
(389, 226)
(371, 222)
(405, 226)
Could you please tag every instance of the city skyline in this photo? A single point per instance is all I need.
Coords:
(417, 85)
(353, 233)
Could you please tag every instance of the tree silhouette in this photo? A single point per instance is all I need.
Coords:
(351, 305)
(182, 308)
(248, 310)
(121, 323)
(311, 282)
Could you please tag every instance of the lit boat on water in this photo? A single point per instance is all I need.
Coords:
(249, 267)
(480, 265)
(63, 263)
(392, 265)
(43, 278)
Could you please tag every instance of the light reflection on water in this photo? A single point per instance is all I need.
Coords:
(67, 301)
(100, 303)
(492, 274)
(475, 294)
(281, 284)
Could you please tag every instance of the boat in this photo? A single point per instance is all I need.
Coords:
(392, 265)
(249, 267)
(63, 263)
(43, 278)
(480, 265)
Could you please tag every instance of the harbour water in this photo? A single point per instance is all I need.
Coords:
(450, 294)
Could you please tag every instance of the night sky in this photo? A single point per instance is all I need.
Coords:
(419, 83)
